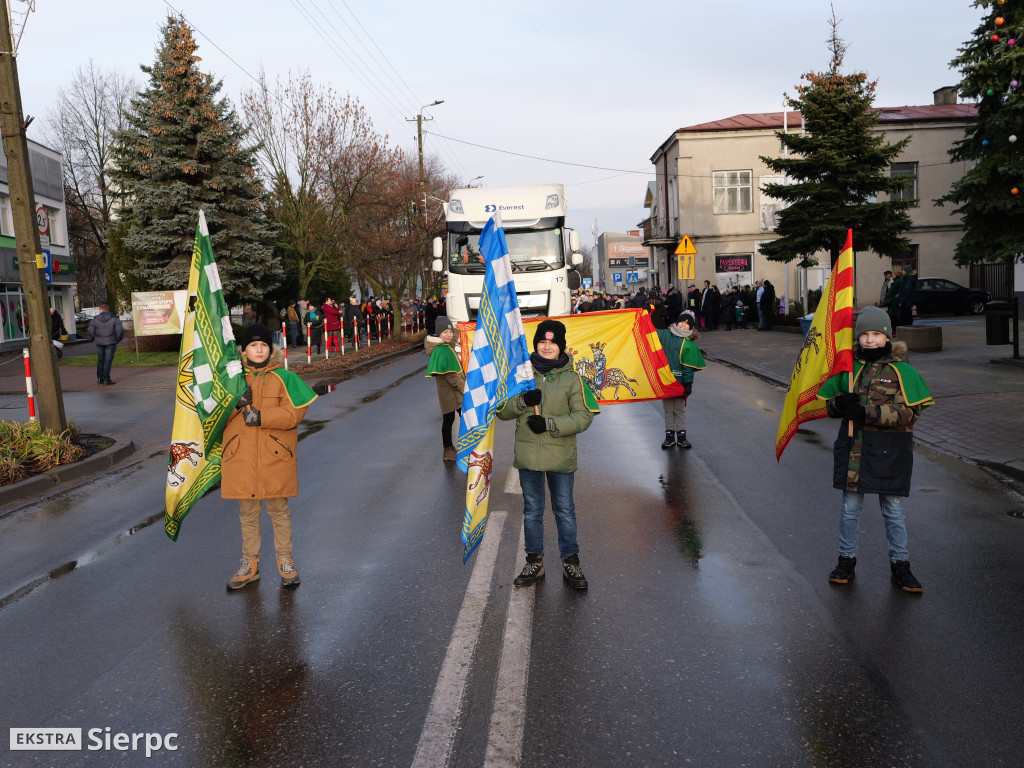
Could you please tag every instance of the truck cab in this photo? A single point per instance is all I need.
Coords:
(541, 254)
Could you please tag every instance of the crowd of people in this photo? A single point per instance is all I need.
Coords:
(330, 321)
(712, 307)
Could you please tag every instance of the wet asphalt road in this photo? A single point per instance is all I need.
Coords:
(709, 635)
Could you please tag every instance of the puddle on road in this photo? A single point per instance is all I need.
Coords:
(88, 557)
(311, 428)
(327, 387)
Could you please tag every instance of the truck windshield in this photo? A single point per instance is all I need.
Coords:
(530, 250)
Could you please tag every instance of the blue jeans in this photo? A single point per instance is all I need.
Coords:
(560, 484)
(104, 359)
(293, 334)
(895, 525)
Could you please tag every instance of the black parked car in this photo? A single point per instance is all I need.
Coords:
(937, 295)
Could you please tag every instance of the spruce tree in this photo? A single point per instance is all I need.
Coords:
(990, 196)
(184, 149)
(836, 171)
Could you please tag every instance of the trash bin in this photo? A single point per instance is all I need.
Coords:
(805, 324)
(997, 322)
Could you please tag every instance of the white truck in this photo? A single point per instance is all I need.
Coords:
(534, 223)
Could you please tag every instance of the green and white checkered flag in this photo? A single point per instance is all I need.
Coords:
(217, 378)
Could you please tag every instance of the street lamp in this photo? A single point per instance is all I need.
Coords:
(475, 178)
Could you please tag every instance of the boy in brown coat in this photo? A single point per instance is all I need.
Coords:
(259, 459)
(446, 369)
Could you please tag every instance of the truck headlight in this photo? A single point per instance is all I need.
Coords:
(456, 206)
(552, 202)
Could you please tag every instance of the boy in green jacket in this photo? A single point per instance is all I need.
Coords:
(548, 419)
(684, 359)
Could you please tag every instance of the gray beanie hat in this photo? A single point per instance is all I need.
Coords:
(873, 319)
(442, 324)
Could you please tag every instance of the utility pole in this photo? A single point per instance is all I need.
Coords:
(26, 236)
(419, 135)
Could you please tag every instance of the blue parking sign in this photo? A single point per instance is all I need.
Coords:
(616, 277)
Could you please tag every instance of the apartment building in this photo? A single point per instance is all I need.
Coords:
(709, 186)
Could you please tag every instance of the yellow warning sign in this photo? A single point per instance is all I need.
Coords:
(686, 247)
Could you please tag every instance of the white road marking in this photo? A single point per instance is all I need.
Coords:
(438, 735)
(512, 482)
(508, 718)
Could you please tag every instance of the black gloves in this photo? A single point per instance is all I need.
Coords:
(687, 389)
(848, 405)
(537, 423)
(251, 416)
(531, 397)
(245, 399)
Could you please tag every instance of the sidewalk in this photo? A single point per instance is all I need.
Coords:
(978, 414)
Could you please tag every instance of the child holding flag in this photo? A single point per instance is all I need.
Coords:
(444, 366)
(684, 359)
(887, 397)
(259, 460)
(548, 419)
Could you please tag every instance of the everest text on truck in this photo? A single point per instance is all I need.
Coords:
(534, 221)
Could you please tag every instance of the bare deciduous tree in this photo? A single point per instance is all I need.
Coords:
(81, 125)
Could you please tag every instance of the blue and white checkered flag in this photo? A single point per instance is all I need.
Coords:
(499, 368)
(499, 365)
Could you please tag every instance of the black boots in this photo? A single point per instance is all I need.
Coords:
(572, 573)
(843, 573)
(673, 437)
(903, 578)
(532, 572)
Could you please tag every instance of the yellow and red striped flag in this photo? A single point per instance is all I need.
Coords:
(827, 350)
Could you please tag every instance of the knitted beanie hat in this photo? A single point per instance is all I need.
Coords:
(255, 332)
(442, 324)
(873, 319)
(689, 317)
(552, 330)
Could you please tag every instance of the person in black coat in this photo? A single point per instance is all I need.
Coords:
(767, 307)
(353, 317)
(673, 303)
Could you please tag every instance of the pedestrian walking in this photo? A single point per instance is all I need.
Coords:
(449, 378)
(684, 359)
(548, 419)
(259, 460)
(106, 331)
(57, 329)
(887, 397)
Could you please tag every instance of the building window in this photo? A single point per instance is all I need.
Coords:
(733, 191)
(906, 261)
(905, 170)
(6, 222)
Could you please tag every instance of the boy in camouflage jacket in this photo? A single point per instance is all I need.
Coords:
(888, 395)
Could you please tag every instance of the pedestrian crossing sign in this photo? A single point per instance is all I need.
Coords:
(632, 277)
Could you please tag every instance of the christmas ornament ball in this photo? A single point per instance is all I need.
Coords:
(1011, 41)
(995, 38)
(1014, 191)
(999, 21)
(990, 92)
(1013, 139)
(984, 142)
(1014, 83)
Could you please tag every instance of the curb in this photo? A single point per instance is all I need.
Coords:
(40, 484)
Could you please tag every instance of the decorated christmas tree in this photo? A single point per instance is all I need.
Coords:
(185, 149)
(990, 195)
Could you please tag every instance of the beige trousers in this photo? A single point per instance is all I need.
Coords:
(250, 518)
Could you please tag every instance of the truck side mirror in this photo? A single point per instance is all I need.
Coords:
(574, 241)
(577, 259)
(437, 265)
(574, 280)
(437, 250)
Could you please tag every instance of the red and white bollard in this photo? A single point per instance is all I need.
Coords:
(28, 385)
(284, 353)
(341, 337)
(309, 345)
(355, 332)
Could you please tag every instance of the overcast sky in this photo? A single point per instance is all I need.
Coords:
(597, 86)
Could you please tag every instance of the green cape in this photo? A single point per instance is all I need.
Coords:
(299, 392)
(915, 391)
(691, 356)
(443, 360)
